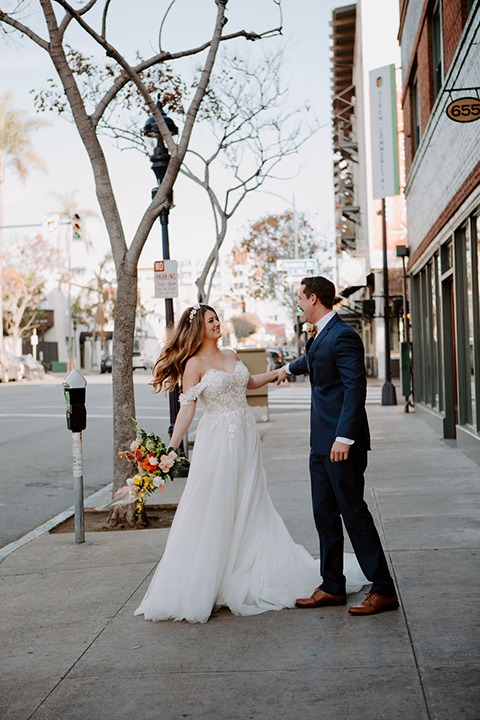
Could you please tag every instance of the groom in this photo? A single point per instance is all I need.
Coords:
(339, 439)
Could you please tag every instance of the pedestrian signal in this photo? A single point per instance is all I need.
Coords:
(77, 227)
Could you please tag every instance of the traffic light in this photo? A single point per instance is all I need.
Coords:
(77, 230)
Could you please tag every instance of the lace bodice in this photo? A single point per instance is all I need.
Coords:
(220, 391)
(223, 397)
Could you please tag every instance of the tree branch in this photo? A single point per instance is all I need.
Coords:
(162, 24)
(176, 160)
(129, 71)
(163, 56)
(104, 20)
(68, 18)
(8, 20)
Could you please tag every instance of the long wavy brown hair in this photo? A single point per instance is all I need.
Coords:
(182, 342)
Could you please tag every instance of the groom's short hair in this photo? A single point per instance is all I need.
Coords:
(320, 286)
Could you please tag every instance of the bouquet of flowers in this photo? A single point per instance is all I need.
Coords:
(155, 465)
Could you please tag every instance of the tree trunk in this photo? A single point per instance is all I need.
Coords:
(122, 384)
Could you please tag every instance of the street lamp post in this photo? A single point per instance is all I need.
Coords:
(160, 158)
(389, 396)
(403, 251)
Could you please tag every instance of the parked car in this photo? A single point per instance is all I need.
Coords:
(10, 368)
(274, 359)
(106, 364)
(31, 369)
(141, 361)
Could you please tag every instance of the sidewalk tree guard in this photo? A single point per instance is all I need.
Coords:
(54, 39)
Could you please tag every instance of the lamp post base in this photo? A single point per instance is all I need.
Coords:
(389, 394)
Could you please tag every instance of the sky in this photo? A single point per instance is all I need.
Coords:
(25, 67)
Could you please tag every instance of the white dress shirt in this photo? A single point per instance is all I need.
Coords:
(320, 325)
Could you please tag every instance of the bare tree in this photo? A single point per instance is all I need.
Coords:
(252, 130)
(26, 266)
(88, 112)
(273, 238)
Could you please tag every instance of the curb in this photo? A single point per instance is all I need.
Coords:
(48, 525)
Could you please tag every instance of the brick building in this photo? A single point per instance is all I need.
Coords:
(440, 49)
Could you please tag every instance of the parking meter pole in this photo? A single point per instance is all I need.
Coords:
(74, 387)
(77, 455)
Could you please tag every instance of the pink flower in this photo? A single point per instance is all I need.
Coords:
(166, 463)
(172, 454)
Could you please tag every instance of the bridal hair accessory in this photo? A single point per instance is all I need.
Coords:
(193, 311)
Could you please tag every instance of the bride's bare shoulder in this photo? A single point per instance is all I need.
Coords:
(194, 369)
(229, 352)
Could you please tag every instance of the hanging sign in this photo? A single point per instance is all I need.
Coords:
(464, 110)
(166, 278)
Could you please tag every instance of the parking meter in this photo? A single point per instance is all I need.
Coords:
(74, 388)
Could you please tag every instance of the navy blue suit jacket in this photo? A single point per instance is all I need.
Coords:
(336, 365)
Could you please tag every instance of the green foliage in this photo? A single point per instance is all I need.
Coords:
(243, 327)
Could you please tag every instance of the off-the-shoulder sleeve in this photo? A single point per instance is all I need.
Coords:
(191, 394)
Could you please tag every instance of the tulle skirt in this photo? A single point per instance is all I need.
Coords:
(228, 546)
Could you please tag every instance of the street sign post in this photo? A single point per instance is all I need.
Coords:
(166, 278)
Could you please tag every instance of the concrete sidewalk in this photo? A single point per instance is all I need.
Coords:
(72, 649)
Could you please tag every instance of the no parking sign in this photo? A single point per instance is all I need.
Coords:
(166, 278)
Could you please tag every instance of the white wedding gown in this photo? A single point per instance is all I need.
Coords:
(228, 546)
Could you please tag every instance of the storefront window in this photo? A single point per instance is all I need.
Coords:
(438, 306)
(426, 359)
(433, 332)
(471, 402)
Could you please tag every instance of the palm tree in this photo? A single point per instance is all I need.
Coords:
(16, 152)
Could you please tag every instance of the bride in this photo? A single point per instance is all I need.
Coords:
(227, 546)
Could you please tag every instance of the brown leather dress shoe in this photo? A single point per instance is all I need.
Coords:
(320, 599)
(373, 604)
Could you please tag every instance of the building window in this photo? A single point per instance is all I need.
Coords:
(437, 48)
(439, 337)
(415, 113)
(470, 368)
(433, 332)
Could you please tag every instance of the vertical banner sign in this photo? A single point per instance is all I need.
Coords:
(166, 278)
(383, 119)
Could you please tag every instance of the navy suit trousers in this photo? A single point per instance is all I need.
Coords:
(337, 492)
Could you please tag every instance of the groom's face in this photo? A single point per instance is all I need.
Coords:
(306, 304)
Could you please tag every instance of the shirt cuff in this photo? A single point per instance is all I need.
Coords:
(287, 369)
(347, 441)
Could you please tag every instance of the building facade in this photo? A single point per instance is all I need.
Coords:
(440, 49)
(357, 48)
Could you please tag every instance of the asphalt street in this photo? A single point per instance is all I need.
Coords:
(36, 452)
(36, 449)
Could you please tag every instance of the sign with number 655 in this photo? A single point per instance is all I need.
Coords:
(463, 110)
